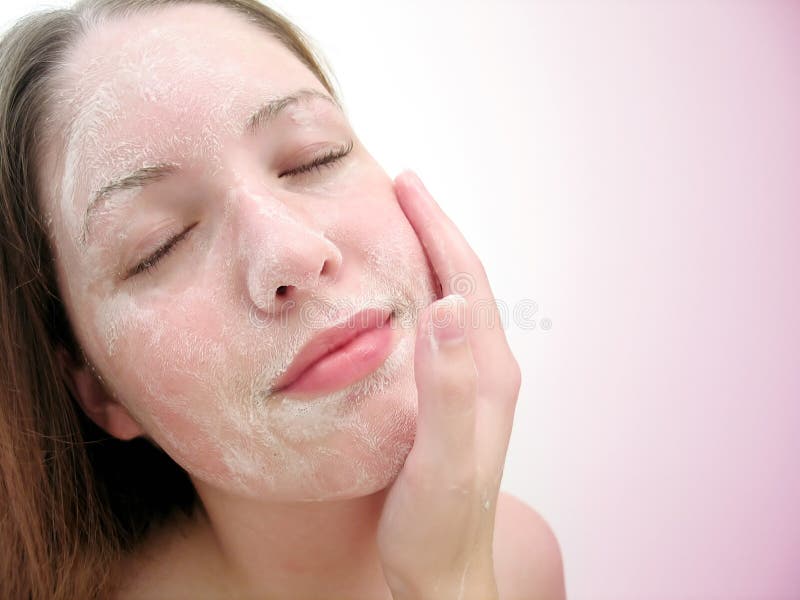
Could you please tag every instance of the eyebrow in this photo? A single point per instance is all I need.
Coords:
(148, 174)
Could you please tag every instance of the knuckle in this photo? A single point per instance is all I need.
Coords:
(514, 375)
(458, 385)
(508, 377)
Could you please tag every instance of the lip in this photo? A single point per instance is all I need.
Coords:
(365, 327)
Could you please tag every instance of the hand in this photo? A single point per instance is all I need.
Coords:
(436, 529)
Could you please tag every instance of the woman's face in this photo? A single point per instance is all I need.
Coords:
(266, 256)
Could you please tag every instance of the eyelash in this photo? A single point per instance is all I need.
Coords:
(152, 261)
(326, 160)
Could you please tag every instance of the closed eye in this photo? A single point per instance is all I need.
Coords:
(152, 261)
(327, 159)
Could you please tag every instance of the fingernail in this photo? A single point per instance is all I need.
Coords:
(447, 324)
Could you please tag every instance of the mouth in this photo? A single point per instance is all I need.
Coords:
(341, 355)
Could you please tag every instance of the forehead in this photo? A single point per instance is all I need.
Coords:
(172, 81)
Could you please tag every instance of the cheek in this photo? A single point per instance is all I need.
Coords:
(162, 340)
(368, 217)
(162, 357)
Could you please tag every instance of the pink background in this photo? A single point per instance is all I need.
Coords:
(666, 396)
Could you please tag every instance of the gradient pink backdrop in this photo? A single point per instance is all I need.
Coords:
(670, 381)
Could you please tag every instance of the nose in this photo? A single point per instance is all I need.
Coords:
(286, 258)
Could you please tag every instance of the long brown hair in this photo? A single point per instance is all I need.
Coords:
(73, 500)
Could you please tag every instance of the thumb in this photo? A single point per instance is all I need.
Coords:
(446, 379)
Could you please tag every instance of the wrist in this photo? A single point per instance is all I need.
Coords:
(479, 592)
(462, 588)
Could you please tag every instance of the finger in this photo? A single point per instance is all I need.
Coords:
(452, 258)
(446, 379)
(460, 271)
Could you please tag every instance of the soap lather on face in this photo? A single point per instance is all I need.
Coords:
(190, 345)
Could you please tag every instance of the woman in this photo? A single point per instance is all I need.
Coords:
(235, 362)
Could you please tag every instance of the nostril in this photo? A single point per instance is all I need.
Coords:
(327, 267)
(281, 291)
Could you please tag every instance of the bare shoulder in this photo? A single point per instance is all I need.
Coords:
(527, 556)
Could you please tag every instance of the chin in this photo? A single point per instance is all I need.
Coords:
(336, 447)
(367, 457)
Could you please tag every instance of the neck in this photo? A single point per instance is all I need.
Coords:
(296, 549)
